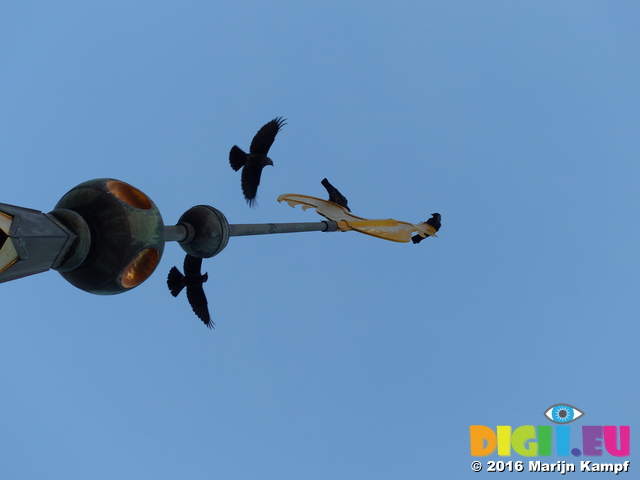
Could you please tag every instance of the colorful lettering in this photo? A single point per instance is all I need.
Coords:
(611, 441)
(530, 441)
(483, 440)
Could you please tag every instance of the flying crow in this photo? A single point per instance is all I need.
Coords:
(334, 195)
(193, 281)
(434, 221)
(256, 159)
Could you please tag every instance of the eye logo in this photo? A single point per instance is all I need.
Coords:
(563, 413)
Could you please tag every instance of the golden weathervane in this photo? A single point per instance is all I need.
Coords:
(388, 229)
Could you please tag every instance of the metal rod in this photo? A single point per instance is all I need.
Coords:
(183, 232)
(175, 233)
(267, 228)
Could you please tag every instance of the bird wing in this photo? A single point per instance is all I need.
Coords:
(199, 304)
(192, 265)
(250, 180)
(263, 140)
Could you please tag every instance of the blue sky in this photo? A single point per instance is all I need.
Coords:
(335, 355)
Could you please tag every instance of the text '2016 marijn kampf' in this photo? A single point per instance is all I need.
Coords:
(585, 466)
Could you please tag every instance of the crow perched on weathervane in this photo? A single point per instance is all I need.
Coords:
(193, 280)
(334, 195)
(256, 159)
(434, 221)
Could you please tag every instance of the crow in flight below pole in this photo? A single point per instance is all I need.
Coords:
(254, 161)
(193, 280)
(334, 195)
(434, 221)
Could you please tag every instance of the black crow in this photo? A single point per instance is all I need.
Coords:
(334, 195)
(256, 159)
(434, 221)
(193, 281)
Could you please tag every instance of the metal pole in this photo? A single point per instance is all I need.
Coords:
(181, 232)
(176, 233)
(268, 228)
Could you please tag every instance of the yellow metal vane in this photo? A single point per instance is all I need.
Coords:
(388, 229)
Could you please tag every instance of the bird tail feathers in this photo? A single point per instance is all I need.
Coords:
(417, 239)
(237, 158)
(174, 281)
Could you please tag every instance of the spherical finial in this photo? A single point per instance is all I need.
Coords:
(210, 231)
(126, 231)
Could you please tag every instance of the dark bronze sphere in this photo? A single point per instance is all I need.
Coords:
(126, 232)
(210, 231)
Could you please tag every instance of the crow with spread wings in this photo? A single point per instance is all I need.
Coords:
(193, 280)
(253, 162)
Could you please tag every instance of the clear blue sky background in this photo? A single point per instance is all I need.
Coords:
(335, 356)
